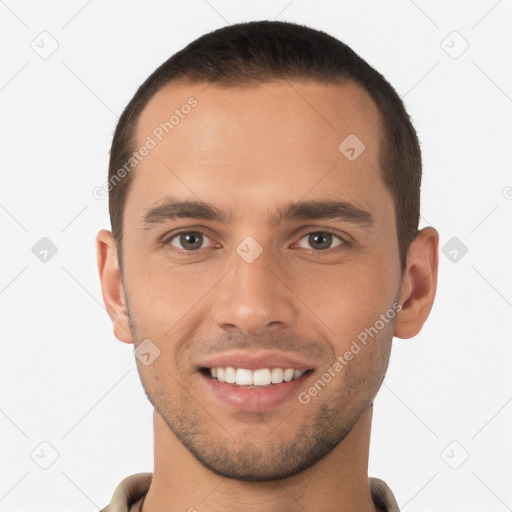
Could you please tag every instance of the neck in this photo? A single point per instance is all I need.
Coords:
(338, 482)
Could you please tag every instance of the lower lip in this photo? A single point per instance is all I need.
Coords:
(253, 399)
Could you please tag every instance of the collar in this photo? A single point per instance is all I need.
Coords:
(129, 494)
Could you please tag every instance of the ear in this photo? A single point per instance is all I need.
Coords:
(419, 283)
(112, 285)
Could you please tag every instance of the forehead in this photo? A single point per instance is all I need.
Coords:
(306, 110)
(279, 139)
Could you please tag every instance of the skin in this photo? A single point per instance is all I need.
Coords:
(249, 151)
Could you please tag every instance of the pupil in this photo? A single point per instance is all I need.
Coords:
(325, 236)
(186, 239)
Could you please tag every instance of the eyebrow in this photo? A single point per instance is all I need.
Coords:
(171, 209)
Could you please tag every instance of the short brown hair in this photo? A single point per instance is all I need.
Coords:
(256, 52)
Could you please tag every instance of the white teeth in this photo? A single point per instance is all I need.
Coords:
(288, 374)
(243, 377)
(259, 377)
(277, 375)
(230, 375)
(298, 373)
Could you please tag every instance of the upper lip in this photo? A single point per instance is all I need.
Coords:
(254, 360)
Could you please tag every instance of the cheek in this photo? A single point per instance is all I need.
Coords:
(348, 298)
(161, 294)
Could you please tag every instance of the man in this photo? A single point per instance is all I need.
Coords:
(264, 197)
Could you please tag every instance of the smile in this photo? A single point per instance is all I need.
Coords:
(258, 390)
(258, 378)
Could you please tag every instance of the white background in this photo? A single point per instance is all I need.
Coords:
(67, 381)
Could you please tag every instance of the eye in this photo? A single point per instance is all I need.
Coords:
(193, 241)
(321, 240)
(189, 241)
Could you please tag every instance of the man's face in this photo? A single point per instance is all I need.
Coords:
(247, 292)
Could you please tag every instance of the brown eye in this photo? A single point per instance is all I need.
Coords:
(188, 240)
(321, 240)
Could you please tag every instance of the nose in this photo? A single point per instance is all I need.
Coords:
(253, 295)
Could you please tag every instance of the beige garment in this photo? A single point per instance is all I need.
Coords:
(129, 494)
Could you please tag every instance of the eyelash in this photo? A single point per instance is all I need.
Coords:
(167, 241)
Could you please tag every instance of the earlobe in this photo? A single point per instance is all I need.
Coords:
(112, 285)
(419, 283)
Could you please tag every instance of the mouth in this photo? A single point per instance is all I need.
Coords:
(259, 378)
(256, 389)
(252, 380)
